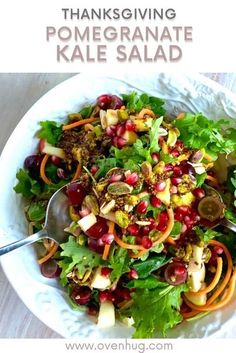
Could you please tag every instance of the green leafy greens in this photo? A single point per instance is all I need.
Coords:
(50, 131)
(26, 186)
(156, 310)
(196, 131)
(76, 257)
(135, 103)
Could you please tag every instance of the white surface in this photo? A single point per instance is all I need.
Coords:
(212, 47)
(41, 295)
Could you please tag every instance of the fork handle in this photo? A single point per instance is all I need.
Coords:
(26, 241)
(229, 224)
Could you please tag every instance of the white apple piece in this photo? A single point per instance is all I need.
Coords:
(106, 315)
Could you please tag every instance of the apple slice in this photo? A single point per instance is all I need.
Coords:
(99, 281)
(45, 147)
(106, 316)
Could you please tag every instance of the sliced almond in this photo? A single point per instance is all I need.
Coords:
(108, 207)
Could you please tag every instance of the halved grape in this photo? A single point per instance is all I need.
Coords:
(175, 273)
(50, 269)
(76, 194)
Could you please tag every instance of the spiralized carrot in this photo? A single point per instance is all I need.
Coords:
(146, 111)
(79, 123)
(111, 230)
(212, 179)
(209, 306)
(214, 282)
(190, 314)
(49, 255)
(42, 170)
(170, 241)
(78, 172)
(164, 236)
(124, 245)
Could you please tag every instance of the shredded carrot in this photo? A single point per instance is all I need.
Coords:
(124, 245)
(146, 111)
(212, 179)
(170, 241)
(79, 123)
(215, 280)
(42, 170)
(164, 147)
(78, 172)
(228, 272)
(49, 255)
(180, 116)
(209, 306)
(190, 314)
(111, 230)
(212, 307)
(164, 236)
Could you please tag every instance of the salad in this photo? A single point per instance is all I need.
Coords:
(146, 194)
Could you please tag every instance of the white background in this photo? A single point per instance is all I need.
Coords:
(24, 47)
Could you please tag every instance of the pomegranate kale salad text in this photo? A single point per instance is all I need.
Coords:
(147, 194)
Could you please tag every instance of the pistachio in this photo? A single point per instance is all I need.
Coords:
(146, 169)
(123, 114)
(108, 207)
(132, 200)
(91, 202)
(197, 156)
(101, 186)
(159, 168)
(73, 215)
(122, 219)
(119, 188)
(128, 208)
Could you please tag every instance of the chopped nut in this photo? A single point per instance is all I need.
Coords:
(119, 188)
(108, 207)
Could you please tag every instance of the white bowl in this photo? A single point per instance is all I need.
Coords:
(43, 296)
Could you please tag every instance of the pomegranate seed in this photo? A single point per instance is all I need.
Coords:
(133, 229)
(105, 271)
(177, 171)
(173, 189)
(61, 173)
(107, 238)
(92, 310)
(218, 250)
(168, 168)
(104, 101)
(199, 193)
(155, 202)
(155, 157)
(175, 153)
(179, 144)
(129, 125)
(185, 209)
(115, 177)
(56, 160)
(81, 295)
(176, 181)
(160, 186)
(133, 274)
(120, 130)
(179, 216)
(94, 169)
(145, 230)
(84, 212)
(132, 179)
(187, 220)
(110, 132)
(142, 207)
(111, 297)
(103, 296)
(119, 142)
(146, 242)
(163, 217)
(161, 227)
